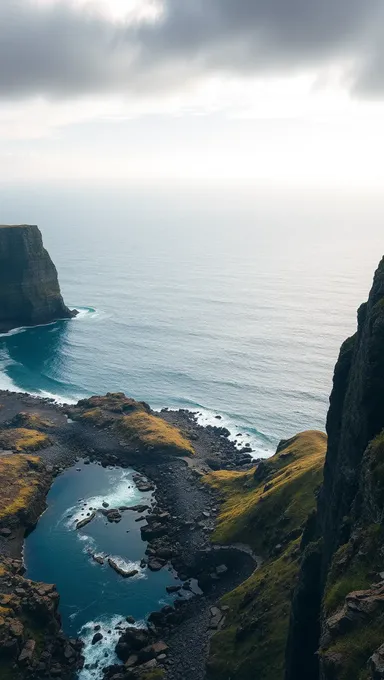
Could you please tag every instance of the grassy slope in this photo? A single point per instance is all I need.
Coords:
(266, 509)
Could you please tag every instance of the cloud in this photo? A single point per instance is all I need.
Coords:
(64, 49)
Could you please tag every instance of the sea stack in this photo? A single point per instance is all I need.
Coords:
(29, 287)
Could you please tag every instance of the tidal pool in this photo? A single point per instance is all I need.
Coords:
(92, 594)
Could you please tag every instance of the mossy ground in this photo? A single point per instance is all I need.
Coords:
(23, 439)
(133, 422)
(32, 421)
(355, 648)
(264, 513)
(268, 514)
(353, 566)
(156, 674)
(151, 432)
(20, 477)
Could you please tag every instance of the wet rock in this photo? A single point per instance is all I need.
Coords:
(130, 620)
(173, 589)
(113, 515)
(155, 565)
(130, 642)
(125, 573)
(139, 508)
(97, 638)
(85, 521)
(150, 531)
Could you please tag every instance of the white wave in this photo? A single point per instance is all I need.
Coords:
(101, 654)
(14, 331)
(85, 312)
(239, 434)
(6, 383)
(122, 491)
(57, 398)
(127, 565)
(22, 329)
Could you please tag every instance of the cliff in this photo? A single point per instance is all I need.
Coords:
(29, 288)
(337, 618)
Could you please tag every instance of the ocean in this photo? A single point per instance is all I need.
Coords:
(226, 300)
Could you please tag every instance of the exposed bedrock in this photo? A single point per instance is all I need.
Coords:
(29, 288)
(337, 619)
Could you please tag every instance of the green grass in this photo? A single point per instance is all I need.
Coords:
(356, 648)
(22, 439)
(253, 641)
(156, 674)
(263, 621)
(264, 519)
(32, 421)
(353, 565)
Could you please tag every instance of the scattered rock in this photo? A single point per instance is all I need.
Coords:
(27, 653)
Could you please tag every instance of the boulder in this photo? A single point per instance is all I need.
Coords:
(97, 638)
(85, 521)
(125, 573)
(27, 653)
(376, 664)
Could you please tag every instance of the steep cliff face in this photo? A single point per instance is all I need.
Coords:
(29, 287)
(339, 600)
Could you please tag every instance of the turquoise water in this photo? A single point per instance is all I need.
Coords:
(92, 594)
(229, 301)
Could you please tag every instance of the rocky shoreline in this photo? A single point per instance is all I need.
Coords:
(177, 527)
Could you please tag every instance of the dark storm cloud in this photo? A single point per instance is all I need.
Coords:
(65, 50)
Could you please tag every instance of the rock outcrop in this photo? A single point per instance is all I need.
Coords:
(337, 619)
(29, 288)
(32, 644)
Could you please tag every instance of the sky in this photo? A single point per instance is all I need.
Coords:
(279, 91)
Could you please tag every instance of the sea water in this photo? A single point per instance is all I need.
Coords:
(229, 301)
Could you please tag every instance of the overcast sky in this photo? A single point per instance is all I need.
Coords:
(278, 90)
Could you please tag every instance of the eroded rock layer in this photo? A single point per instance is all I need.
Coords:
(337, 620)
(29, 288)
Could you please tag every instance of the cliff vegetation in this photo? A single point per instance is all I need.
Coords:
(337, 613)
(266, 508)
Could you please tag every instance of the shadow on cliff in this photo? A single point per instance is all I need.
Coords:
(36, 356)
